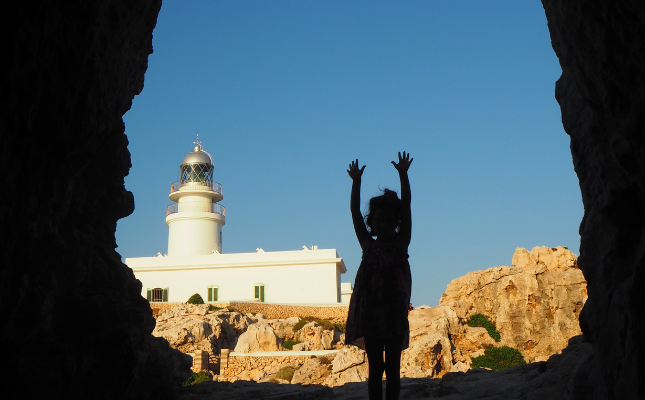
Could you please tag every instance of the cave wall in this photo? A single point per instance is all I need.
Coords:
(75, 324)
(601, 48)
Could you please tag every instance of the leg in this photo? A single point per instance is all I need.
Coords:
(374, 349)
(393, 367)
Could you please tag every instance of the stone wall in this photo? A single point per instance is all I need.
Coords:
(275, 311)
(253, 364)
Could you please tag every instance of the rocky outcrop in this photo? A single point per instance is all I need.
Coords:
(534, 304)
(554, 379)
(258, 337)
(313, 337)
(72, 71)
(601, 93)
(189, 327)
(349, 365)
(518, 299)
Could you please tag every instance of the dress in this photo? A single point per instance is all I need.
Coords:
(381, 296)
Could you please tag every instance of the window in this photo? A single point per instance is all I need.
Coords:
(259, 291)
(213, 293)
(158, 295)
(196, 173)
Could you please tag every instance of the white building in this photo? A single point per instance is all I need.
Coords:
(195, 262)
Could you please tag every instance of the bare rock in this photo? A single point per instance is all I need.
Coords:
(189, 327)
(431, 355)
(311, 372)
(441, 320)
(535, 304)
(304, 346)
(347, 358)
(601, 93)
(357, 373)
(319, 338)
(258, 337)
(75, 68)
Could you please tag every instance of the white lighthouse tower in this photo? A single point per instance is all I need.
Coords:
(195, 219)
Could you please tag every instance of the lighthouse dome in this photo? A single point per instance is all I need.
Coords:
(197, 156)
(197, 166)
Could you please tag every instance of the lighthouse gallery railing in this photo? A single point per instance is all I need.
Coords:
(208, 186)
(195, 206)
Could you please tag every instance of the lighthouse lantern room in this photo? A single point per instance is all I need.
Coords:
(195, 219)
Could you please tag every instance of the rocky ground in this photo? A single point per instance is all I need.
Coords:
(534, 304)
(552, 379)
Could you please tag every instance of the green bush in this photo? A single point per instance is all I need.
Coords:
(326, 325)
(213, 308)
(339, 327)
(288, 344)
(483, 321)
(195, 299)
(286, 373)
(497, 358)
(196, 378)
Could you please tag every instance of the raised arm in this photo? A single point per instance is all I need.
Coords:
(356, 173)
(405, 230)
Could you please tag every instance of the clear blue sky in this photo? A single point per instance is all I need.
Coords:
(284, 94)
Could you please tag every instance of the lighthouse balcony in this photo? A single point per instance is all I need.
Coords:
(195, 206)
(209, 188)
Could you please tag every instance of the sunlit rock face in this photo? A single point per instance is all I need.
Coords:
(74, 323)
(534, 304)
(600, 45)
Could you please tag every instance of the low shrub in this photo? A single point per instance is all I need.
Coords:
(483, 321)
(195, 299)
(286, 373)
(339, 327)
(498, 358)
(195, 378)
(326, 325)
(288, 344)
(213, 308)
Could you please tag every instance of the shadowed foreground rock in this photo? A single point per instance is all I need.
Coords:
(74, 322)
(554, 379)
(600, 45)
(72, 70)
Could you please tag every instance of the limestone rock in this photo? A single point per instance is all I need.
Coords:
(356, 373)
(311, 372)
(319, 338)
(258, 337)
(304, 346)
(431, 355)
(189, 327)
(535, 304)
(441, 320)
(347, 358)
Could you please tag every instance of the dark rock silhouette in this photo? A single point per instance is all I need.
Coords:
(75, 323)
(600, 45)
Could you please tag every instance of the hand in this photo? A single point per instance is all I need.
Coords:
(353, 171)
(404, 162)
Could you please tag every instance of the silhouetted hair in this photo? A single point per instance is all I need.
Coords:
(389, 201)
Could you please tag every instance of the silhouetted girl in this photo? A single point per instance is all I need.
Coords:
(378, 309)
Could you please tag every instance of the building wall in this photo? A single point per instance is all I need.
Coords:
(310, 276)
(204, 228)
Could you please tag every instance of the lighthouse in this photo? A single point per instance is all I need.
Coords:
(195, 218)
